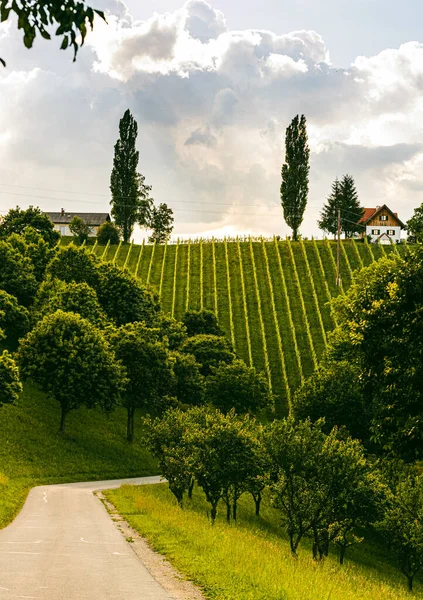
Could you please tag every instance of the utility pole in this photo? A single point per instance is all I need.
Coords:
(338, 253)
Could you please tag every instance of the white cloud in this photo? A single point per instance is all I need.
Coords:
(212, 106)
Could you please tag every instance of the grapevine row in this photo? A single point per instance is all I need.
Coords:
(244, 301)
(127, 256)
(162, 271)
(137, 266)
(228, 278)
(117, 252)
(277, 329)
(313, 289)
(216, 306)
(341, 287)
(263, 334)
(325, 281)
(188, 275)
(151, 263)
(175, 275)
(288, 303)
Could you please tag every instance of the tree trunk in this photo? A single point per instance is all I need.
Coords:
(213, 512)
(63, 419)
(191, 487)
(342, 554)
(293, 545)
(410, 582)
(257, 501)
(130, 424)
(228, 512)
(234, 510)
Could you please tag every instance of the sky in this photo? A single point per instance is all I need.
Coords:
(213, 87)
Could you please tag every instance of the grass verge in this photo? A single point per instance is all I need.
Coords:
(33, 452)
(251, 559)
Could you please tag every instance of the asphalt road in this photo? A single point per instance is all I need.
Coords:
(64, 546)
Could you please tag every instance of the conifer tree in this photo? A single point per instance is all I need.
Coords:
(343, 197)
(295, 170)
(329, 215)
(351, 211)
(130, 195)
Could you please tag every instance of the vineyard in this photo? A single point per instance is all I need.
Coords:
(271, 297)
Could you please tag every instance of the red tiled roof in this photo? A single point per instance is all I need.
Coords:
(368, 213)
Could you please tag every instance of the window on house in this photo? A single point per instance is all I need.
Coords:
(63, 230)
(375, 231)
(383, 217)
(391, 231)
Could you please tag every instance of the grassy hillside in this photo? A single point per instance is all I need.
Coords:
(32, 451)
(251, 560)
(271, 297)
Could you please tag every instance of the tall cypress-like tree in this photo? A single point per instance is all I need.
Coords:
(329, 215)
(351, 211)
(131, 201)
(295, 170)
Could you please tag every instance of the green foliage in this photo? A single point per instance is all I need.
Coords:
(239, 387)
(10, 385)
(169, 442)
(161, 222)
(209, 351)
(148, 368)
(75, 264)
(189, 382)
(14, 318)
(200, 322)
(70, 16)
(79, 229)
(224, 456)
(16, 274)
(70, 360)
(17, 220)
(33, 245)
(415, 226)
(295, 170)
(73, 297)
(402, 526)
(108, 232)
(344, 197)
(335, 392)
(125, 299)
(174, 331)
(380, 320)
(130, 195)
(322, 484)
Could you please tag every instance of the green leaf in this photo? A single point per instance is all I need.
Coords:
(65, 43)
(45, 34)
(2, 62)
(4, 14)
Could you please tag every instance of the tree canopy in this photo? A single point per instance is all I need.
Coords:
(209, 351)
(70, 360)
(10, 385)
(161, 223)
(18, 220)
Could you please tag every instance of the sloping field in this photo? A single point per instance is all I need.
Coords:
(271, 297)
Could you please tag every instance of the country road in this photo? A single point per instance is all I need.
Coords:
(64, 546)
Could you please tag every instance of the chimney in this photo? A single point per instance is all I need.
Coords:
(62, 211)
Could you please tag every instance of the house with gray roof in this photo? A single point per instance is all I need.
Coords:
(62, 219)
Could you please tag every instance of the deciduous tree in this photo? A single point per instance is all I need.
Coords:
(10, 385)
(295, 170)
(18, 220)
(14, 318)
(17, 274)
(70, 360)
(201, 322)
(131, 200)
(149, 371)
(79, 229)
(209, 351)
(239, 387)
(108, 232)
(161, 222)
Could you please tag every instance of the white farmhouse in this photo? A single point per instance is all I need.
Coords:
(62, 219)
(382, 225)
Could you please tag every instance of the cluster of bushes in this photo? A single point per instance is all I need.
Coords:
(323, 484)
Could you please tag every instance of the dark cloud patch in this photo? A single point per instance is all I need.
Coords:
(201, 137)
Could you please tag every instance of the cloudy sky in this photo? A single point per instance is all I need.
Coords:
(213, 88)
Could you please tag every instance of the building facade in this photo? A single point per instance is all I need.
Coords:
(62, 219)
(382, 225)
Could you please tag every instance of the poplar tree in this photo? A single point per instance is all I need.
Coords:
(130, 202)
(295, 170)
